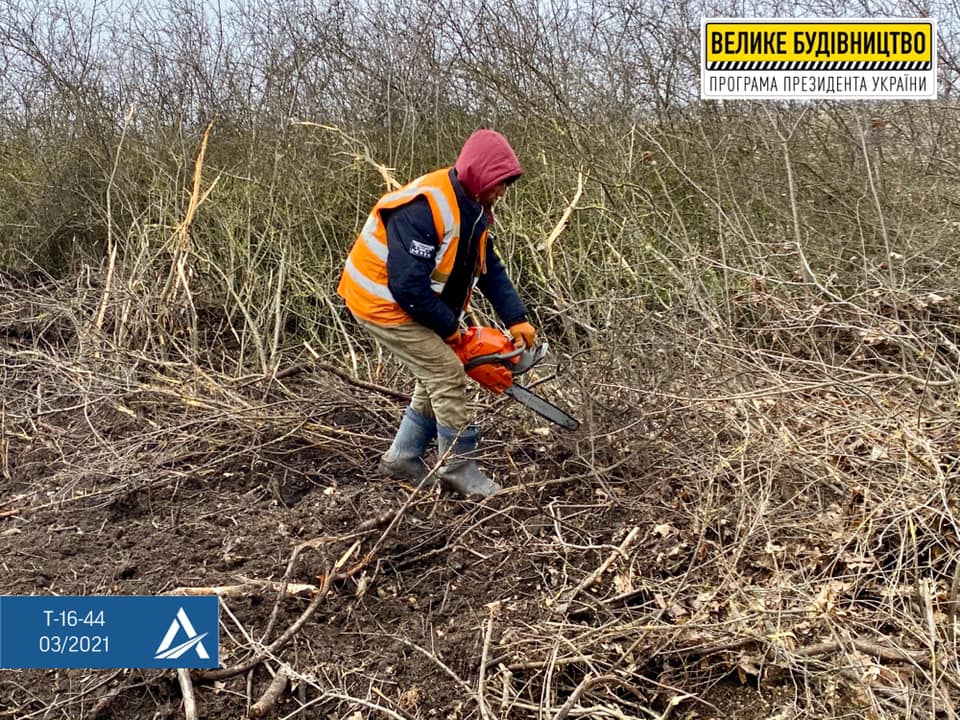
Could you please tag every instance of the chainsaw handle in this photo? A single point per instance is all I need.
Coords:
(494, 357)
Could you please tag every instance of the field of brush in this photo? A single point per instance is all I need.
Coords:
(753, 308)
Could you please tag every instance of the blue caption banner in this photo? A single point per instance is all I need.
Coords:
(109, 631)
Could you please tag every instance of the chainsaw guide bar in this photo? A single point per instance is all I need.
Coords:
(493, 360)
(540, 406)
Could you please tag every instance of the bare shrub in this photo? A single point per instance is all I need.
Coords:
(753, 309)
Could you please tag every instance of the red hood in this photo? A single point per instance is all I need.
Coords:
(485, 160)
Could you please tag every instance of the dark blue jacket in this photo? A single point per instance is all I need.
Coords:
(409, 266)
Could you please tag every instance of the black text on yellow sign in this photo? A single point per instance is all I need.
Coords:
(819, 45)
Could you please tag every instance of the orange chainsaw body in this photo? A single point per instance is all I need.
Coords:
(493, 360)
(488, 356)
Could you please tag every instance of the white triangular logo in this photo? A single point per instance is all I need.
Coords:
(167, 651)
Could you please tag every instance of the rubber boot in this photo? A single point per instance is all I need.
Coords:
(404, 459)
(460, 471)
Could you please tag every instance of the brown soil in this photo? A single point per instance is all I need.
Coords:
(406, 632)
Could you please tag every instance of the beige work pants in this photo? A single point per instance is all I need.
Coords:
(440, 390)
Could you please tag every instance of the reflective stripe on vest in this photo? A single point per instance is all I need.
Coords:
(404, 195)
(381, 291)
(363, 283)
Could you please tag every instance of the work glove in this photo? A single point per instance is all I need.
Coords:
(524, 331)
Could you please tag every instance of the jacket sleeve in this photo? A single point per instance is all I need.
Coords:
(412, 245)
(497, 287)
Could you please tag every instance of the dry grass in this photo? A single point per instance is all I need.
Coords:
(737, 508)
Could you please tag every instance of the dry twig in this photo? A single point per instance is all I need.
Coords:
(264, 706)
(189, 699)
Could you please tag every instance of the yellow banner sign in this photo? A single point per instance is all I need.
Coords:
(818, 58)
(779, 41)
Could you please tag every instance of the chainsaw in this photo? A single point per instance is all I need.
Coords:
(493, 360)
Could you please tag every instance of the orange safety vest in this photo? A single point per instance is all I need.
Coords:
(363, 284)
